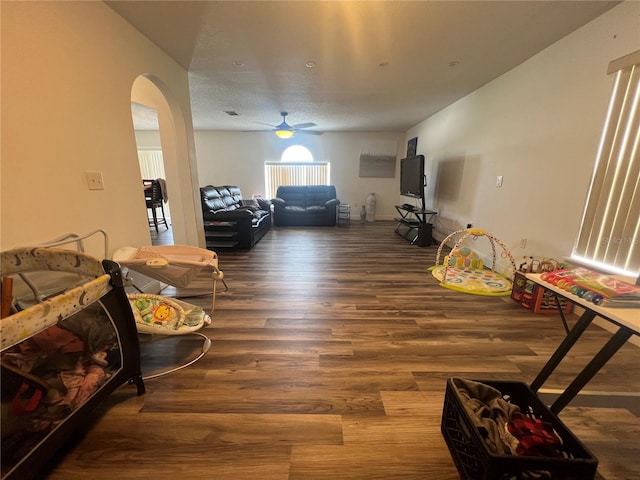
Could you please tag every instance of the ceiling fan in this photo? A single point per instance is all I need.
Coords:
(284, 130)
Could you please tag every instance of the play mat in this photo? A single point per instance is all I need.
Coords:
(463, 270)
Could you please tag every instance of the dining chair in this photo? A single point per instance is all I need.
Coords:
(155, 200)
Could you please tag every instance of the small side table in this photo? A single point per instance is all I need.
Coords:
(343, 214)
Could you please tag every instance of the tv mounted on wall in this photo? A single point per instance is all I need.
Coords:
(412, 178)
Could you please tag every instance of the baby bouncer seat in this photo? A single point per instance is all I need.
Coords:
(179, 266)
(176, 265)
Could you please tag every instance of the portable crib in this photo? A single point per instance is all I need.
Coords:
(62, 355)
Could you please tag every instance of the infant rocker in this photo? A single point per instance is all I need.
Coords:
(463, 270)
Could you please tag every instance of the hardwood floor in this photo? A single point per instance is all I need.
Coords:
(329, 357)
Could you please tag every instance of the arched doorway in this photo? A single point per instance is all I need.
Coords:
(151, 163)
(174, 138)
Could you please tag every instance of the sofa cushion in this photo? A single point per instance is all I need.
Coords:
(230, 203)
(212, 201)
(235, 193)
(319, 194)
(294, 196)
(295, 209)
(316, 209)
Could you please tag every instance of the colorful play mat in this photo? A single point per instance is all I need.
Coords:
(463, 270)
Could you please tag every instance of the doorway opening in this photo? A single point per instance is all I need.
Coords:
(151, 164)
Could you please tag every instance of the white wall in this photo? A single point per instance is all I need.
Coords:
(235, 158)
(67, 75)
(538, 126)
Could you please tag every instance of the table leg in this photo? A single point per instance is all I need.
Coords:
(564, 318)
(606, 352)
(562, 350)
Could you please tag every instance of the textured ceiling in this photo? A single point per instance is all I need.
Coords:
(378, 65)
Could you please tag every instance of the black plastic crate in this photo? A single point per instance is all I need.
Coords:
(475, 461)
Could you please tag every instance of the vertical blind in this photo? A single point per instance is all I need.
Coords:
(609, 236)
(293, 173)
(151, 164)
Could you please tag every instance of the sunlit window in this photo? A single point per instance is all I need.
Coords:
(296, 153)
(609, 237)
(296, 167)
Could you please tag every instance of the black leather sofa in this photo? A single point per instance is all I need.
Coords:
(308, 205)
(247, 220)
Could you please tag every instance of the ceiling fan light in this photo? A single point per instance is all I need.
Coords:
(284, 133)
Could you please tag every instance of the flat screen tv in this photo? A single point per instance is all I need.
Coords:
(412, 179)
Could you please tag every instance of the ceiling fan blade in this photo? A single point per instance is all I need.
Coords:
(309, 132)
(267, 124)
(305, 125)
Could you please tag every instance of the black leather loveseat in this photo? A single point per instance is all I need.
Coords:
(226, 213)
(308, 205)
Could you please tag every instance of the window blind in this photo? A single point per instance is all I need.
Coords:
(609, 236)
(151, 164)
(292, 173)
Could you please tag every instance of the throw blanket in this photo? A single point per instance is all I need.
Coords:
(163, 188)
(505, 429)
(490, 412)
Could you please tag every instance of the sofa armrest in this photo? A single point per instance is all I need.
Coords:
(279, 202)
(332, 202)
(230, 216)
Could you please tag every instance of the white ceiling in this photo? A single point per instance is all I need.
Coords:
(379, 65)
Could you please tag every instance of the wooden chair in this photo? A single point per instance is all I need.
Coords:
(155, 200)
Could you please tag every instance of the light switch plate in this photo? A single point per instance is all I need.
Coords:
(499, 181)
(94, 180)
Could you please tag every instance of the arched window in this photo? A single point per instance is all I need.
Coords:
(296, 167)
(296, 153)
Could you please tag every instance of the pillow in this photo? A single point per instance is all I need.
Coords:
(250, 204)
(264, 204)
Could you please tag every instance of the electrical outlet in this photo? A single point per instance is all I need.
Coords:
(499, 181)
(523, 243)
(94, 180)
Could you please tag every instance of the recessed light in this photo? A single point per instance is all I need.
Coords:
(310, 64)
(238, 64)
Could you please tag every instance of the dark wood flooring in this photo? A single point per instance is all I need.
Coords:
(329, 357)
